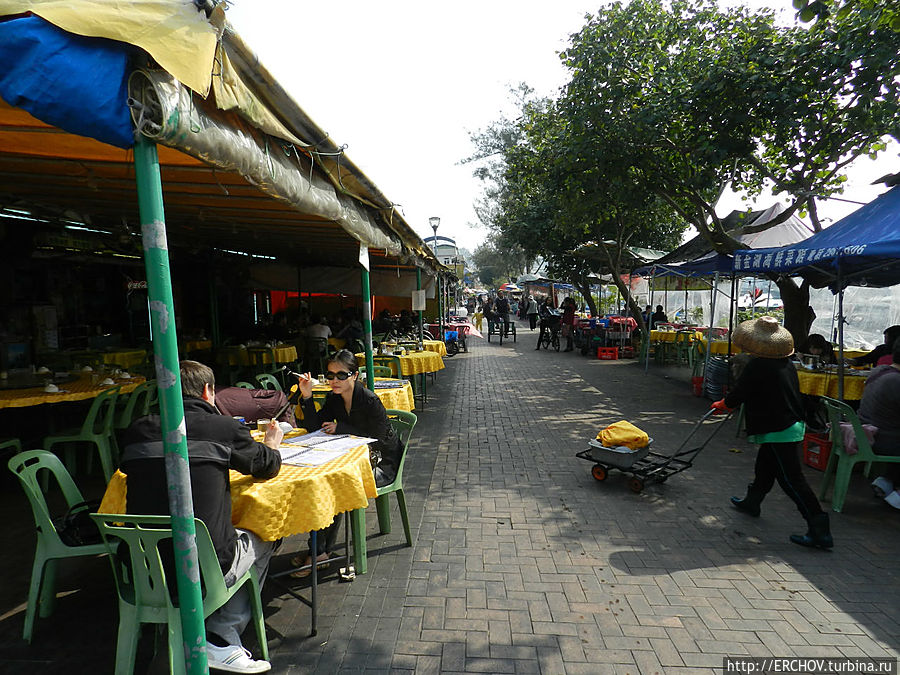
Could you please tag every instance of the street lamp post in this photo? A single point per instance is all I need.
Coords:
(434, 222)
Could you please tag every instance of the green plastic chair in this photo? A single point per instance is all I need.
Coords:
(840, 464)
(244, 385)
(380, 371)
(140, 401)
(267, 381)
(403, 423)
(49, 548)
(143, 588)
(96, 430)
(11, 444)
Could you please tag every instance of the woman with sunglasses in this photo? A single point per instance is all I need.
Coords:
(350, 408)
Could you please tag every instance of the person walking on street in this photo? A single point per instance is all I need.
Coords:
(531, 311)
(568, 323)
(770, 392)
(501, 309)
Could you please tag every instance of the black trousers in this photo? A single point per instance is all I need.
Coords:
(781, 462)
(532, 320)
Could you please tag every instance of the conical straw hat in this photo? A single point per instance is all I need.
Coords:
(764, 337)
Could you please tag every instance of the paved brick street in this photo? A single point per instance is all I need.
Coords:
(523, 563)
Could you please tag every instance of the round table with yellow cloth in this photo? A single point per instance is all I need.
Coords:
(81, 389)
(826, 384)
(436, 346)
(238, 355)
(720, 347)
(670, 335)
(126, 358)
(196, 346)
(337, 343)
(413, 363)
(299, 499)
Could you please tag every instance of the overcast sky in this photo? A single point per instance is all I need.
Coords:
(403, 83)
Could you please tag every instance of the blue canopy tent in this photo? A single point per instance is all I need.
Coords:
(862, 249)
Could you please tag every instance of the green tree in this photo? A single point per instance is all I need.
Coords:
(685, 98)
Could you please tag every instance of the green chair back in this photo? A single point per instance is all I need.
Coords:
(268, 381)
(244, 385)
(840, 463)
(140, 401)
(143, 585)
(30, 467)
(380, 371)
(97, 430)
(403, 423)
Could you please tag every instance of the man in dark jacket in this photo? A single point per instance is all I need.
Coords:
(216, 443)
(770, 393)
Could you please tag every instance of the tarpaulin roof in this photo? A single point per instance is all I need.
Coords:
(246, 170)
(865, 246)
(751, 228)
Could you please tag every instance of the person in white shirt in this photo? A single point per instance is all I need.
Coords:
(320, 329)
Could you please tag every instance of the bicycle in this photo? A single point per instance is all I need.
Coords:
(550, 332)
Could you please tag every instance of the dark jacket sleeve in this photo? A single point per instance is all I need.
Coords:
(251, 457)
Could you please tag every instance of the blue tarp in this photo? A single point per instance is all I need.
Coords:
(865, 245)
(73, 82)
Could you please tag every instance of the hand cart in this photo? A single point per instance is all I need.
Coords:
(646, 467)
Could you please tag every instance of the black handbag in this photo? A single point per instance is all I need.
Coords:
(77, 528)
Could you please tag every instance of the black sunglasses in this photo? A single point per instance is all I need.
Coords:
(341, 375)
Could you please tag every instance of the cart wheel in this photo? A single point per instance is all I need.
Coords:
(636, 484)
(599, 472)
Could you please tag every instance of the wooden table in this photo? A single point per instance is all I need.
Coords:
(825, 383)
(79, 390)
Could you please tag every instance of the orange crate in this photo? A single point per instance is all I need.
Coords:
(816, 450)
(608, 353)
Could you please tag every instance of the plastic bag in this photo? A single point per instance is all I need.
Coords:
(623, 433)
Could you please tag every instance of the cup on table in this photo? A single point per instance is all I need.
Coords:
(262, 425)
(321, 378)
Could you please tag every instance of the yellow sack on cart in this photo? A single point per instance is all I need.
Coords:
(623, 433)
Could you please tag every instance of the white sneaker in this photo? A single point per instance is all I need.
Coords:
(234, 659)
(882, 487)
(894, 499)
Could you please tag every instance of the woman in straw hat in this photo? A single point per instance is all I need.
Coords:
(770, 392)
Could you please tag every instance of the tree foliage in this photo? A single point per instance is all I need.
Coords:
(669, 102)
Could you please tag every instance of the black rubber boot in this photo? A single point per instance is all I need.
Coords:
(750, 503)
(818, 535)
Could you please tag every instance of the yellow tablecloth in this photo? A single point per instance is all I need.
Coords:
(196, 345)
(826, 384)
(413, 363)
(127, 358)
(720, 347)
(78, 390)
(299, 499)
(436, 346)
(670, 335)
(283, 353)
(233, 356)
(337, 343)
(240, 356)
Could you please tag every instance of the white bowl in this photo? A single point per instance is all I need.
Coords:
(87, 369)
(43, 370)
(107, 382)
(51, 389)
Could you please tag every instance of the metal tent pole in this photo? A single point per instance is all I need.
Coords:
(840, 285)
(419, 288)
(649, 319)
(709, 331)
(367, 317)
(168, 378)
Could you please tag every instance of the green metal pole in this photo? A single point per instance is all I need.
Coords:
(367, 328)
(440, 295)
(165, 348)
(419, 288)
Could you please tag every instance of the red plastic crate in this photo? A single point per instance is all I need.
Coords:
(816, 450)
(608, 353)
